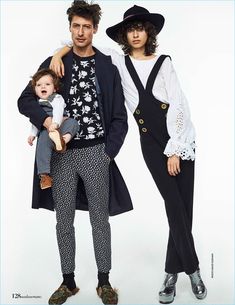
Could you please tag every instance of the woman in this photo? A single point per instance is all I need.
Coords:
(167, 136)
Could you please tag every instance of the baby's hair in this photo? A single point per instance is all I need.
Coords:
(44, 72)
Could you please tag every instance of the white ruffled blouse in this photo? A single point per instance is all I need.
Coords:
(166, 89)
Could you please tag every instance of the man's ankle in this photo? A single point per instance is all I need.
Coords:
(103, 279)
(68, 280)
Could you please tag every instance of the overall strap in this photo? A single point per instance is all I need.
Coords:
(133, 74)
(154, 72)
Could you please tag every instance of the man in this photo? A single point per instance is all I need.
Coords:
(154, 96)
(86, 173)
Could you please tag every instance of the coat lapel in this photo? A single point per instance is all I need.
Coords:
(100, 70)
(66, 80)
(119, 197)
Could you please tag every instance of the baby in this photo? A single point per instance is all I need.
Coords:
(45, 83)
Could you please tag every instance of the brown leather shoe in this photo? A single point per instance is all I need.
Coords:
(60, 145)
(61, 295)
(107, 294)
(45, 181)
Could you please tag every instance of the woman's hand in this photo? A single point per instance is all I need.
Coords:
(57, 65)
(56, 62)
(173, 165)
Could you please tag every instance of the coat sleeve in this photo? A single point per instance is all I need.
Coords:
(118, 126)
(28, 105)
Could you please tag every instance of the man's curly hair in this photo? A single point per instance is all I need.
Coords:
(151, 43)
(86, 10)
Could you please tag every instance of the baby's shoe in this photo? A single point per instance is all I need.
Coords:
(57, 139)
(45, 181)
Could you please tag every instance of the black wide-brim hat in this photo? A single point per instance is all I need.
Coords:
(136, 13)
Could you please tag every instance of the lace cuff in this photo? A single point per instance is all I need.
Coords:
(185, 151)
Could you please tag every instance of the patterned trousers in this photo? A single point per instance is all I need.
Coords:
(91, 164)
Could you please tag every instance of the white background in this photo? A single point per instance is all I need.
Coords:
(199, 37)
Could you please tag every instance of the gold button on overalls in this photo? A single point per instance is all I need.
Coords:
(141, 121)
(144, 129)
(163, 106)
(137, 111)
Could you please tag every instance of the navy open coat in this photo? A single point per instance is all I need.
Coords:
(114, 117)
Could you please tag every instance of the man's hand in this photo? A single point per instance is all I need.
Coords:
(47, 122)
(31, 139)
(53, 127)
(173, 165)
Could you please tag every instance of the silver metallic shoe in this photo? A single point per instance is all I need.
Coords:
(198, 287)
(167, 292)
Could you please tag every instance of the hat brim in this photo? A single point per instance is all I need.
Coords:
(156, 19)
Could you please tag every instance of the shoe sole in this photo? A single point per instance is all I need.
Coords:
(45, 187)
(58, 140)
(169, 302)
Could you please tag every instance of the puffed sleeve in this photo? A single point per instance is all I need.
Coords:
(58, 105)
(179, 125)
(34, 131)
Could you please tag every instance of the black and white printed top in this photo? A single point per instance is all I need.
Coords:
(82, 103)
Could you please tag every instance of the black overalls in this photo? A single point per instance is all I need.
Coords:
(177, 191)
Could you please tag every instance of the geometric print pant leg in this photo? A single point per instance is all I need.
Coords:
(91, 164)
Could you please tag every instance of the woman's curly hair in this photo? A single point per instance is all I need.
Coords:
(151, 43)
(86, 10)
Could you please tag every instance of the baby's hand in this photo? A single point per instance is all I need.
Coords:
(53, 127)
(30, 140)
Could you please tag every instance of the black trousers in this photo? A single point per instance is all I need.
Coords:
(177, 192)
